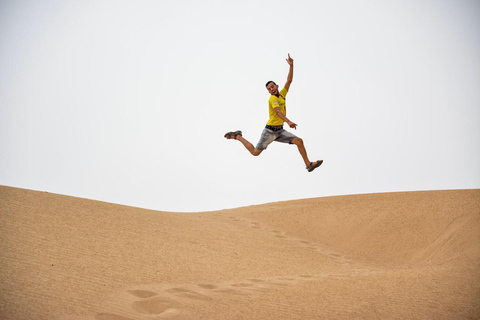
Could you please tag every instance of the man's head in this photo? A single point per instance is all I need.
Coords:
(272, 87)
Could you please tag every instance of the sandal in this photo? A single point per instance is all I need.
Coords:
(233, 135)
(312, 166)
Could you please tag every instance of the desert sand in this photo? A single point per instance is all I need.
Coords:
(408, 255)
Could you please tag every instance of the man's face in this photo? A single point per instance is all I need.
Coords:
(272, 88)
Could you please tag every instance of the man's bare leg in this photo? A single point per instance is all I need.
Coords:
(248, 145)
(303, 152)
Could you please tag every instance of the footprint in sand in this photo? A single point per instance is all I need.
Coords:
(142, 293)
(334, 275)
(110, 316)
(278, 234)
(230, 291)
(156, 306)
(255, 225)
(186, 293)
(287, 279)
(207, 286)
(169, 301)
(177, 290)
(241, 285)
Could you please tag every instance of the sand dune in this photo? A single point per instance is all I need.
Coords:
(413, 255)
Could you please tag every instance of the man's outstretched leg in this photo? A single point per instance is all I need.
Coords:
(303, 152)
(237, 135)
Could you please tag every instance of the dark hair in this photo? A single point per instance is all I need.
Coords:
(270, 82)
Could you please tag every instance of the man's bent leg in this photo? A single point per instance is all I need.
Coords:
(249, 146)
(301, 148)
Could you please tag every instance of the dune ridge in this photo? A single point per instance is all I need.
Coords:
(406, 255)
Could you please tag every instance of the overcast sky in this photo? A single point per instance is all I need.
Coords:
(128, 101)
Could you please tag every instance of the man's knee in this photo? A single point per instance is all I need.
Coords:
(297, 141)
(256, 152)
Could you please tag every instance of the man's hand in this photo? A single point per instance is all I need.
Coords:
(290, 73)
(289, 60)
(292, 125)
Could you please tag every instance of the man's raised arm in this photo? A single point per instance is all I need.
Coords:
(290, 73)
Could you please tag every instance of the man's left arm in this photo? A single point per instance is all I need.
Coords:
(290, 73)
(284, 118)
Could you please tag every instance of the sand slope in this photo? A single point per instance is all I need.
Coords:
(412, 255)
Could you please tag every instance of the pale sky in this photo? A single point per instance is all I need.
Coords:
(128, 101)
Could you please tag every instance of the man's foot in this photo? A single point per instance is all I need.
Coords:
(233, 134)
(314, 165)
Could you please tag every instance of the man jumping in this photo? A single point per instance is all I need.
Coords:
(274, 130)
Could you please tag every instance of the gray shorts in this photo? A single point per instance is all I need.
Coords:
(268, 136)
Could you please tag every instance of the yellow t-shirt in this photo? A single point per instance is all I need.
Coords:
(277, 102)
